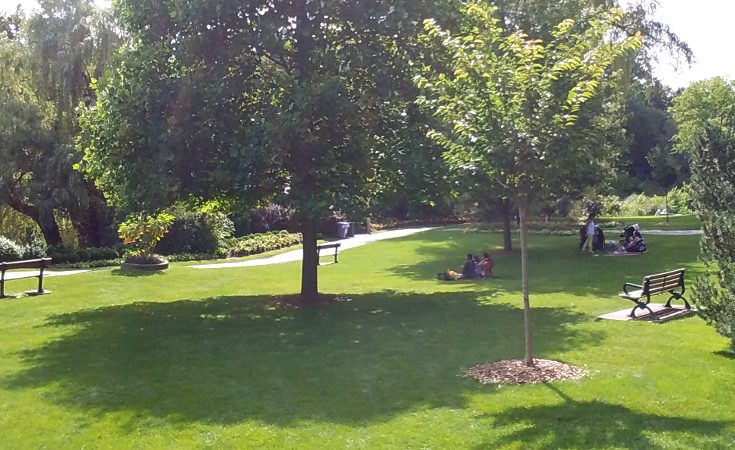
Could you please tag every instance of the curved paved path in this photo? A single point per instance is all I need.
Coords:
(296, 255)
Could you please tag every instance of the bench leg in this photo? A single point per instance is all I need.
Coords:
(335, 255)
(677, 296)
(640, 305)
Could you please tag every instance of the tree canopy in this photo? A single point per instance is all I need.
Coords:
(509, 104)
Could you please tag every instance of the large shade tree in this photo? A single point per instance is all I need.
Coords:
(246, 101)
(510, 105)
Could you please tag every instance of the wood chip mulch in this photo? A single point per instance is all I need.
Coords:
(515, 371)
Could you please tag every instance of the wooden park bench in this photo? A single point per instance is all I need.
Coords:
(39, 264)
(321, 247)
(667, 282)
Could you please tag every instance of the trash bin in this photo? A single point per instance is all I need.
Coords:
(345, 229)
(342, 229)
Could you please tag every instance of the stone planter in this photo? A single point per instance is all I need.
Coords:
(146, 267)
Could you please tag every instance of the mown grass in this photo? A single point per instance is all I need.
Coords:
(193, 358)
(684, 222)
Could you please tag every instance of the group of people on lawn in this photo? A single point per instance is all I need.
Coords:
(473, 268)
(593, 239)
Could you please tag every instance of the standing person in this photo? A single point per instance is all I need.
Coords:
(590, 233)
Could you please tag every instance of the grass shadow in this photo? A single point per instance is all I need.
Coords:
(230, 359)
(596, 424)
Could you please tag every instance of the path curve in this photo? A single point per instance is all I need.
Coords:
(296, 255)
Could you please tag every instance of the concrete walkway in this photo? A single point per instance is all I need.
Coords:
(673, 232)
(296, 255)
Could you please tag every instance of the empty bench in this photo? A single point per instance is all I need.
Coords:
(321, 247)
(40, 264)
(661, 283)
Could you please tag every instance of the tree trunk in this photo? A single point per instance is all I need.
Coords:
(507, 237)
(309, 281)
(667, 207)
(44, 218)
(94, 220)
(528, 332)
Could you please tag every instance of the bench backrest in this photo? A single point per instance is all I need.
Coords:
(27, 264)
(663, 282)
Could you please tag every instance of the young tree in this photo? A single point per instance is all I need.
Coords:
(511, 104)
(705, 115)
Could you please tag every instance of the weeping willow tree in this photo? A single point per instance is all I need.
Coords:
(53, 57)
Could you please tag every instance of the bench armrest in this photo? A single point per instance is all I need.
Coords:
(627, 285)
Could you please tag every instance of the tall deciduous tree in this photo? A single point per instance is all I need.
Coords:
(26, 179)
(511, 104)
(705, 116)
(248, 100)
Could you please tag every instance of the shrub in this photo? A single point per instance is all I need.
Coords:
(69, 254)
(9, 250)
(641, 205)
(196, 232)
(35, 248)
(680, 200)
(143, 232)
(269, 218)
(262, 242)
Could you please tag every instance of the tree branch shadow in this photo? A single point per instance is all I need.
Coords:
(228, 359)
(597, 424)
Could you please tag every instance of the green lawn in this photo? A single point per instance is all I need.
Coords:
(193, 358)
(687, 222)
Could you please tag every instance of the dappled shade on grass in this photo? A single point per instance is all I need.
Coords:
(229, 359)
(600, 424)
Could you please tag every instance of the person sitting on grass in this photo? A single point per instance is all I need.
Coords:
(636, 244)
(468, 271)
(487, 265)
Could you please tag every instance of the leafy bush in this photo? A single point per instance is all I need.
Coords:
(262, 242)
(144, 231)
(196, 232)
(65, 254)
(269, 218)
(9, 250)
(641, 205)
(35, 248)
(680, 200)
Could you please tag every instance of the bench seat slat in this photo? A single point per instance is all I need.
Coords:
(632, 295)
(21, 275)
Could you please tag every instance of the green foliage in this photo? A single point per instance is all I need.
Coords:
(35, 247)
(704, 104)
(10, 250)
(197, 231)
(262, 242)
(143, 231)
(65, 254)
(681, 199)
(713, 190)
(509, 101)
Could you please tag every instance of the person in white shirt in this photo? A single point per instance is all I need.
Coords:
(590, 233)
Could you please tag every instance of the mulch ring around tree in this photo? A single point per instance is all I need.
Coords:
(515, 371)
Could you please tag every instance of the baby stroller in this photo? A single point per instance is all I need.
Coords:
(629, 241)
(598, 243)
